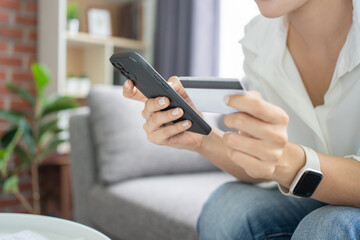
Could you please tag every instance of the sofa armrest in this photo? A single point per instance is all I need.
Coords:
(83, 163)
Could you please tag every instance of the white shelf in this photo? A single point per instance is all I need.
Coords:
(83, 53)
(117, 42)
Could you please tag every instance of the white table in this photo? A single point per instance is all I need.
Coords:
(50, 227)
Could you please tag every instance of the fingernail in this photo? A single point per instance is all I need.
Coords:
(126, 85)
(175, 112)
(170, 83)
(226, 99)
(185, 124)
(162, 101)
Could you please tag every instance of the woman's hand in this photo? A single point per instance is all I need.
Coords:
(130, 91)
(159, 125)
(260, 144)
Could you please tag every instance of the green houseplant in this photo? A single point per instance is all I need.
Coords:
(32, 135)
(73, 18)
(72, 11)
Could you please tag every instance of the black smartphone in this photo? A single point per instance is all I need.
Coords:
(152, 85)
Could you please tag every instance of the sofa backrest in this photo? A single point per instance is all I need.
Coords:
(83, 163)
(123, 150)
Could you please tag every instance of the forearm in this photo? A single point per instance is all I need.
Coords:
(214, 149)
(341, 181)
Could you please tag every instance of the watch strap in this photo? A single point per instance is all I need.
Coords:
(312, 162)
(311, 159)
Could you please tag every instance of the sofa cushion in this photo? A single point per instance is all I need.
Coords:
(123, 150)
(163, 207)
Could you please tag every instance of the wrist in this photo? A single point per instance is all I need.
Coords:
(207, 141)
(292, 160)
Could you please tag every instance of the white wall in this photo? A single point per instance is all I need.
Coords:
(235, 14)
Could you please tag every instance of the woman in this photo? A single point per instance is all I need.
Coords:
(303, 56)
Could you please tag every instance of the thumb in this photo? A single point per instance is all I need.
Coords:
(130, 91)
(175, 83)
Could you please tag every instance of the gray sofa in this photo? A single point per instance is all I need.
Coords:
(127, 187)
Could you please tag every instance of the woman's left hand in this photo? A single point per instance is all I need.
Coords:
(259, 145)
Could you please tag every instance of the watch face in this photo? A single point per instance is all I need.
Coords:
(307, 184)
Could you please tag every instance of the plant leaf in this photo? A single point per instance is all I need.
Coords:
(29, 140)
(11, 185)
(42, 77)
(48, 126)
(4, 156)
(23, 155)
(50, 148)
(13, 117)
(12, 138)
(26, 130)
(8, 136)
(59, 130)
(72, 11)
(21, 92)
(48, 136)
(58, 103)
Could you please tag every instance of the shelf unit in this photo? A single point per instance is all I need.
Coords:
(85, 38)
(83, 53)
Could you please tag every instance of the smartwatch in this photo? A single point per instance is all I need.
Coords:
(307, 179)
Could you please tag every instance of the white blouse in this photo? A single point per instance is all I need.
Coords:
(332, 128)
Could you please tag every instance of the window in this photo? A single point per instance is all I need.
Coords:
(234, 15)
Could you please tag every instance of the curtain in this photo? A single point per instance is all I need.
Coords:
(187, 38)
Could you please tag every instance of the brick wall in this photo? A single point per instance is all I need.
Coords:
(17, 51)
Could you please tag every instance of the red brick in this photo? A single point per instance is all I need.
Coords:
(3, 121)
(19, 209)
(3, 46)
(4, 90)
(22, 76)
(13, 4)
(32, 89)
(10, 61)
(25, 186)
(33, 35)
(12, 203)
(11, 32)
(25, 20)
(23, 48)
(9, 202)
(19, 105)
(2, 76)
(31, 7)
(4, 17)
(30, 60)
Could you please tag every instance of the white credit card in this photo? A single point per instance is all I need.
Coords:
(212, 99)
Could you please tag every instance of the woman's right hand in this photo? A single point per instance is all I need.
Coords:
(159, 125)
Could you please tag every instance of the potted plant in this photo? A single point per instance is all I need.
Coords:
(32, 136)
(84, 85)
(73, 18)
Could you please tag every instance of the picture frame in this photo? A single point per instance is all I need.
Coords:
(99, 22)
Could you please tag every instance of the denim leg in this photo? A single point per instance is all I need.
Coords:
(242, 211)
(330, 222)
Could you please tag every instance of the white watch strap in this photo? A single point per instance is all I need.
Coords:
(312, 162)
(311, 159)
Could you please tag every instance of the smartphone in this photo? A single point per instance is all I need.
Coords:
(152, 85)
(200, 88)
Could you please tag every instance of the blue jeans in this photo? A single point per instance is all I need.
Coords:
(238, 211)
